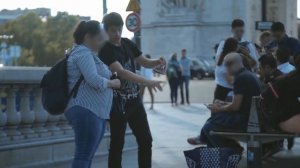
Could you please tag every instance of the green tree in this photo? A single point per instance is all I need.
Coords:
(43, 42)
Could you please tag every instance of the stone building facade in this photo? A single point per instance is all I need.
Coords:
(197, 25)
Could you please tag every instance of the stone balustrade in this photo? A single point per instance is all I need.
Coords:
(25, 126)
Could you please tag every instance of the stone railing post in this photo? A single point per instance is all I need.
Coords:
(64, 125)
(3, 121)
(52, 123)
(41, 115)
(27, 116)
(13, 116)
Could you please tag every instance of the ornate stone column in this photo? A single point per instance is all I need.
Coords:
(40, 114)
(64, 126)
(27, 116)
(52, 123)
(3, 121)
(13, 116)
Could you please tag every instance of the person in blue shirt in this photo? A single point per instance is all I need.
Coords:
(281, 39)
(185, 64)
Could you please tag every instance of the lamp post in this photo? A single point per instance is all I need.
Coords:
(104, 7)
(264, 10)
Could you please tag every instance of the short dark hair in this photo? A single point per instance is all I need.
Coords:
(237, 23)
(283, 54)
(91, 27)
(277, 26)
(183, 50)
(147, 56)
(112, 19)
(268, 60)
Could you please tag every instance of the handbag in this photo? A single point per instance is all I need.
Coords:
(204, 157)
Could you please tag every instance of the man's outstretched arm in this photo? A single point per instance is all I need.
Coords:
(150, 63)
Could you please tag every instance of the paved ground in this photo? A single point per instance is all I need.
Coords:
(172, 125)
(201, 91)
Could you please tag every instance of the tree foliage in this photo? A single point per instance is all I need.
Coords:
(43, 42)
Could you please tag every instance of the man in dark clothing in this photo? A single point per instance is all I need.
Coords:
(283, 40)
(268, 68)
(269, 73)
(233, 115)
(120, 54)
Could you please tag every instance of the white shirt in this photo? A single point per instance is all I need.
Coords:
(286, 68)
(221, 75)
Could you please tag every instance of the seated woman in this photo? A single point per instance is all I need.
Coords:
(282, 100)
(291, 82)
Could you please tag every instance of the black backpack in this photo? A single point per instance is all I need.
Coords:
(55, 90)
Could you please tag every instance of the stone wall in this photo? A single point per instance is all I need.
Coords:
(29, 136)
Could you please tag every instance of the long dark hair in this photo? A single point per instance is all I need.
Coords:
(230, 45)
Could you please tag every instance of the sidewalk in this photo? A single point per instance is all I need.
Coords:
(171, 126)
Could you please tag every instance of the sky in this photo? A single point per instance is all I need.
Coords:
(91, 8)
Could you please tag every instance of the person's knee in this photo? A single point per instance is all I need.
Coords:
(292, 125)
(206, 129)
(84, 155)
(145, 143)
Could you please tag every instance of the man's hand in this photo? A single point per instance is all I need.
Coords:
(220, 102)
(214, 108)
(155, 85)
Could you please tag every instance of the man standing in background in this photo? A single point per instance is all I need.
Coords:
(185, 64)
(246, 48)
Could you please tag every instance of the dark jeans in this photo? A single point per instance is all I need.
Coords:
(221, 92)
(185, 80)
(174, 89)
(136, 117)
(89, 130)
(222, 121)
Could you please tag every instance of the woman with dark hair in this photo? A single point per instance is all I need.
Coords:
(283, 99)
(223, 80)
(87, 113)
(173, 75)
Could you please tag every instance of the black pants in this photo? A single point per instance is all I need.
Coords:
(174, 83)
(136, 117)
(221, 92)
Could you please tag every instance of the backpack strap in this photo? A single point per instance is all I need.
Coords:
(74, 90)
(273, 90)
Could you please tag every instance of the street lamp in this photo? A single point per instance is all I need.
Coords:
(104, 7)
